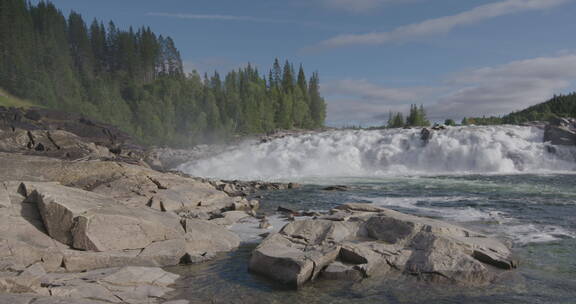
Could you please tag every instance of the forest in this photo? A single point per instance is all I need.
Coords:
(135, 80)
(557, 106)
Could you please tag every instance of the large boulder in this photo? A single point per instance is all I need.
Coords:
(90, 221)
(372, 240)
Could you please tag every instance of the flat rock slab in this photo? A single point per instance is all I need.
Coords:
(90, 221)
(370, 241)
(4, 196)
(134, 285)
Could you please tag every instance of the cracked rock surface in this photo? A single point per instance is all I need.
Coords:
(364, 241)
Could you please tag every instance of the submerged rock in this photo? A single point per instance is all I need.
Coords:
(371, 241)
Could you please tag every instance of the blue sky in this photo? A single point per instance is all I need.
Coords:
(458, 58)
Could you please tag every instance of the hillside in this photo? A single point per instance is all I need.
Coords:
(135, 79)
(7, 100)
(558, 106)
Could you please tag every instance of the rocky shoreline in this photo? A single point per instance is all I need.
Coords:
(85, 218)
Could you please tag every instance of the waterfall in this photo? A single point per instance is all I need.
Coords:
(377, 153)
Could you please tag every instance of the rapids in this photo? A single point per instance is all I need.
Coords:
(380, 153)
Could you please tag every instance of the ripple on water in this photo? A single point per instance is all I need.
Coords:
(523, 209)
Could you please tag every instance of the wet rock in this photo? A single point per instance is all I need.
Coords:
(560, 135)
(287, 262)
(264, 224)
(373, 241)
(426, 135)
(244, 188)
(339, 271)
(287, 210)
(337, 188)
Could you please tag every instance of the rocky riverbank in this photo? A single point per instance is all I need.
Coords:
(357, 241)
(86, 219)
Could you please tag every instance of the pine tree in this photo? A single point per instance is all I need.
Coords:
(134, 79)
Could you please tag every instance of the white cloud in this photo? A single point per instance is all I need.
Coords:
(373, 92)
(359, 6)
(496, 90)
(509, 87)
(440, 25)
(354, 101)
(218, 17)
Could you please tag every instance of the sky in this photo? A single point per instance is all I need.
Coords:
(458, 58)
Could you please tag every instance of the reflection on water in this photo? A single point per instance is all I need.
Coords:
(536, 213)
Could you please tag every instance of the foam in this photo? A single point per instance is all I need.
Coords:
(385, 153)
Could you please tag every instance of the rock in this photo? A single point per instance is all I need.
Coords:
(134, 276)
(336, 188)
(165, 253)
(164, 159)
(89, 221)
(245, 205)
(339, 271)
(264, 224)
(113, 285)
(205, 237)
(426, 135)
(369, 241)
(230, 217)
(560, 135)
(29, 299)
(177, 302)
(76, 261)
(438, 127)
(287, 210)
(280, 259)
(4, 197)
(131, 185)
(294, 185)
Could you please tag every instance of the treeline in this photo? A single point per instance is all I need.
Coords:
(134, 79)
(558, 106)
(415, 118)
(482, 121)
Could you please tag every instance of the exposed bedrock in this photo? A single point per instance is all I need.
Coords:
(65, 217)
(359, 241)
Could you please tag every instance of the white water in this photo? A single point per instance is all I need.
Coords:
(457, 150)
(502, 224)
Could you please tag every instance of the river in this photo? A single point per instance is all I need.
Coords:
(502, 181)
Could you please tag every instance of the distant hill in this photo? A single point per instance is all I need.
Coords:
(558, 106)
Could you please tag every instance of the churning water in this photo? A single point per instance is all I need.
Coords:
(458, 150)
(502, 181)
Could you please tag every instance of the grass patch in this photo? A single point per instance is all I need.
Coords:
(7, 100)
